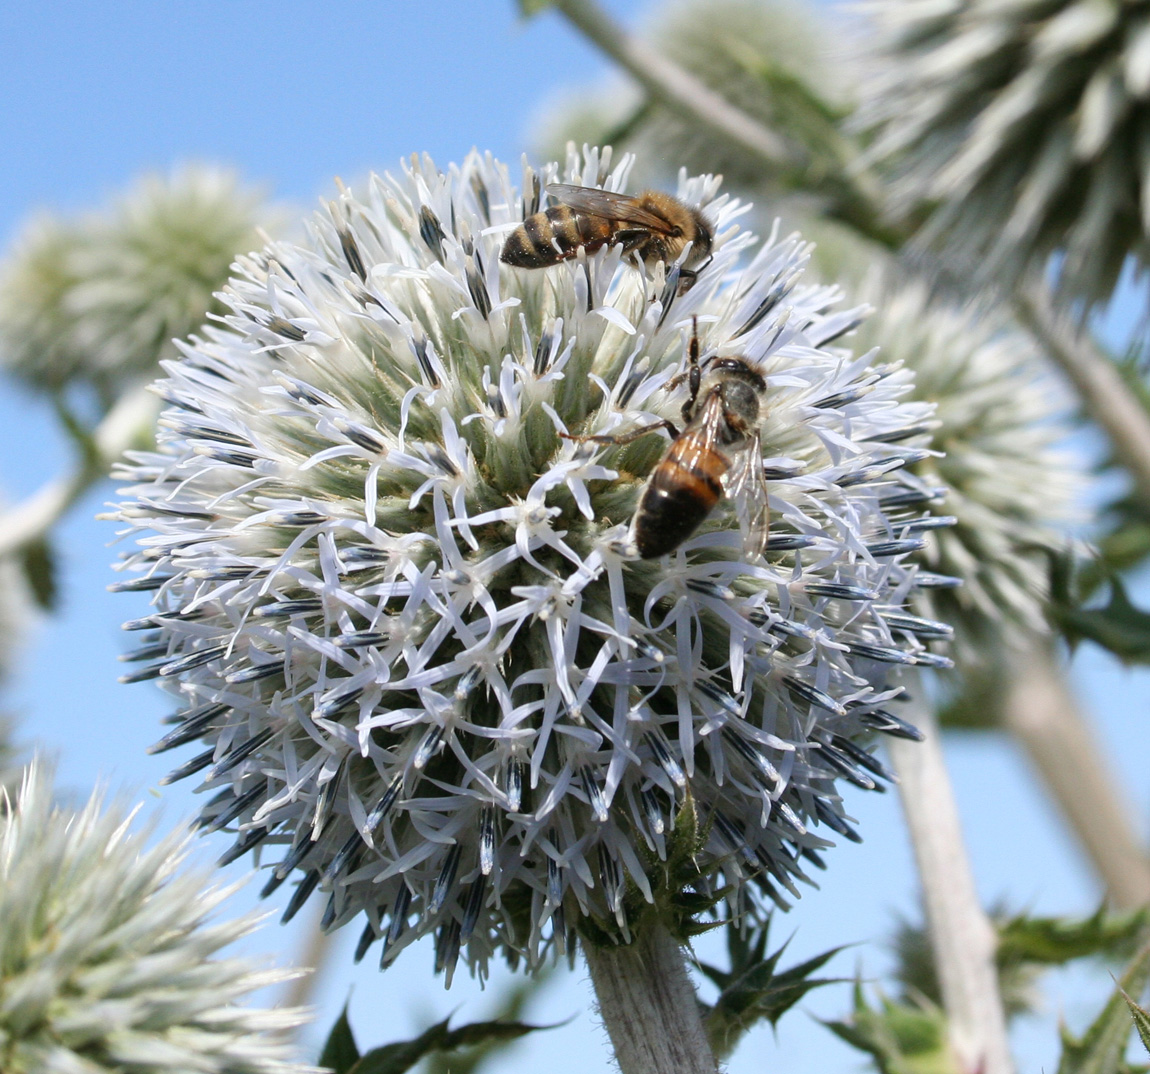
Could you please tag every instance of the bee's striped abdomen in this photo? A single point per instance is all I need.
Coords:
(552, 236)
(682, 491)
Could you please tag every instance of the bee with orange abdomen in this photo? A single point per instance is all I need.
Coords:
(652, 225)
(717, 453)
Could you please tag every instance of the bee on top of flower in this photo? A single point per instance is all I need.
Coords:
(388, 529)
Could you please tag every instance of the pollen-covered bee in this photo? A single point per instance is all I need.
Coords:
(717, 452)
(652, 225)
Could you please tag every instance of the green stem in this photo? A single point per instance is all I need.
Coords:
(679, 90)
(127, 423)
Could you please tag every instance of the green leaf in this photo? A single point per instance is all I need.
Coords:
(1053, 941)
(978, 704)
(1101, 1049)
(1025, 946)
(1119, 626)
(1141, 1019)
(340, 1052)
(403, 1055)
(901, 1038)
(508, 1009)
(753, 990)
(38, 561)
(530, 8)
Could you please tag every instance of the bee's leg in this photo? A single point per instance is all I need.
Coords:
(694, 373)
(687, 278)
(626, 438)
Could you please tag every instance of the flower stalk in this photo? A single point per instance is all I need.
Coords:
(1099, 386)
(961, 934)
(668, 82)
(648, 1004)
(125, 425)
(1043, 716)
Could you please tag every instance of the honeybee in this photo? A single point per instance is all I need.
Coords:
(652, 225)
(717, 452)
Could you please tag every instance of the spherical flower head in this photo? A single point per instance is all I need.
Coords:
(1020, 122)
(399, 600)
(106, 952)
(100, 298)
(1001, 475)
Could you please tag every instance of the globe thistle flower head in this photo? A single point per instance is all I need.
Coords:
(107, 955)
(399, 601)
(1022, 124)
(1010, 488)
(100, 298)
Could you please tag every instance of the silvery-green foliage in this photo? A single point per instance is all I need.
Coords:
(99, 298)
(1003, 471)
(1022, 127)
(403, 615)
(109, 962)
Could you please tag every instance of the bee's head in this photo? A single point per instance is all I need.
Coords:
(701, 242)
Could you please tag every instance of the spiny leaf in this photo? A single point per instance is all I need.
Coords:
(1057, 940)
(401, 1056)
(340, 1053)
(1141, 1019)
(1119, 626)
(753, 991)
(1100, 1050)
(901, 1038)
(918, 976)
(509, 1009)
(1025, 946)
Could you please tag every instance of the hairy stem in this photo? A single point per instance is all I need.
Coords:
(120, 429)
(961, 935)
(1100, 388)
(1043, 716)
(648, 1005)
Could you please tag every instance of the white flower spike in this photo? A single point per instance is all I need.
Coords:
(401, 610)
(108, 959)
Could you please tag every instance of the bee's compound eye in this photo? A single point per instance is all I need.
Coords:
(727, 365)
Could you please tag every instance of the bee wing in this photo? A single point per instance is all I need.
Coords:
(609, 205)
(746, 486)
(704, 431)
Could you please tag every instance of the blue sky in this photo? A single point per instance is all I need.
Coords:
(292, 94)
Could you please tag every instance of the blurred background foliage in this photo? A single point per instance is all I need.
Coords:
(1048, 544)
